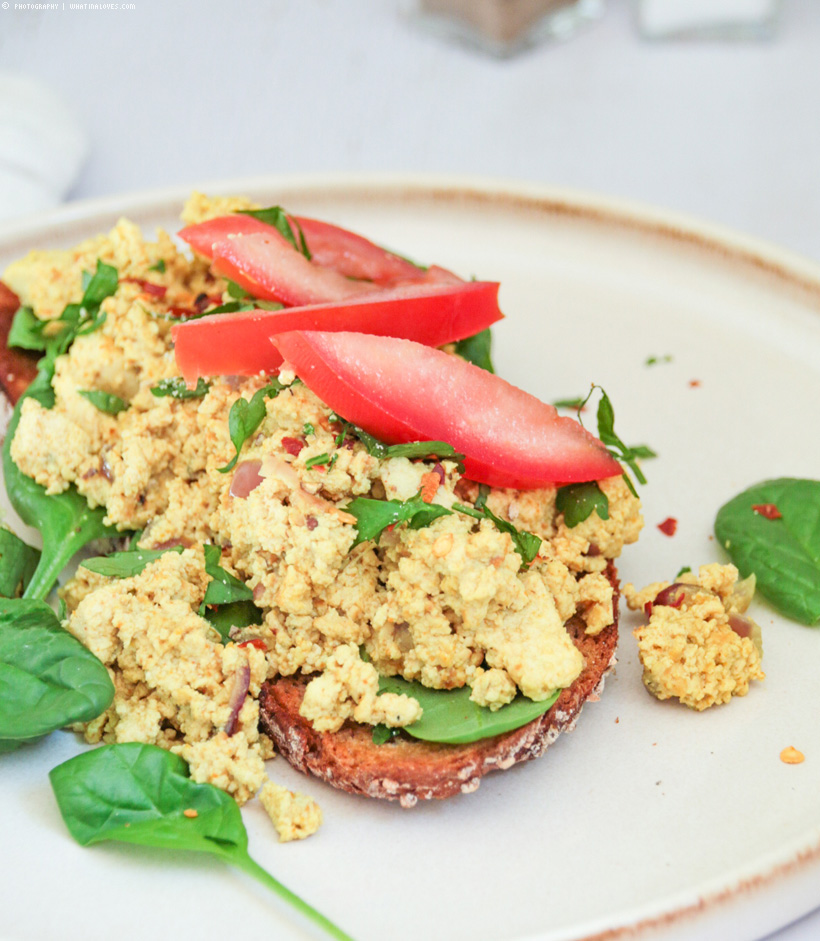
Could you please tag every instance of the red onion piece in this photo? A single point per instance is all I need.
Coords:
(241, 684)
(246, 478)
(293, 445)
(740, 625)
(674, 595)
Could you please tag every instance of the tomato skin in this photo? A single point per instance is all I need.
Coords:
(402, 391)
(204, 235)
(353, 255)
(270, 268)
(239, 344)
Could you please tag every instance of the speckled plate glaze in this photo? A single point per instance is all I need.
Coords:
(649, 820)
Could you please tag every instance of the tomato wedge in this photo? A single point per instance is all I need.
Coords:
(402, 391)
(330, 246)
(239, 344)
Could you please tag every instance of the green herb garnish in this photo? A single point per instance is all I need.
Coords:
(159, 266)
(526, 544)
(577, 502)
(277, 217)
(477, 349)
(411, 450)
(783, 552)
(374, 516)
(104, 401)
(246, 416)
(177, 389)
(126, 564)
(143, 794)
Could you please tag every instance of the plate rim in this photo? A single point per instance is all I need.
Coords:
(729, 244)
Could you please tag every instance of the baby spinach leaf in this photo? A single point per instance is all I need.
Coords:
(246, 416)
(65, 520)
(277, 217)
(476, 349)
(26, 330)
(177, 389)
(577, 502)
(18, 563)
(783, 553)
(104, 401)
(47, 677)
(142, 794)
(374, 516)
(127, 563)
(449, 715)
(223, 588)
(237, 614)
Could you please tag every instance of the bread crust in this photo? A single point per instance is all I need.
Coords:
(407, 769)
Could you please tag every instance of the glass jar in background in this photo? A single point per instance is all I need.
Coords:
(707, 19)
(505, 27)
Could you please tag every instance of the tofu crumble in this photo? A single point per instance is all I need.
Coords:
(448, 604)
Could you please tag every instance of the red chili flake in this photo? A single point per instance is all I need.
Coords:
(293, 445)
(669, 526)
(768, 510)
(694, 383)
(255, 642)
(182, 311)
(155, 290)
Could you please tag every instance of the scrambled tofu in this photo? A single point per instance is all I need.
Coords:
(698, 647)
(294, 815)
(447, 604)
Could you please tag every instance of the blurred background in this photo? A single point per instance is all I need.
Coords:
(186, 91)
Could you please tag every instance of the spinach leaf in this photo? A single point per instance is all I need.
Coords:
(277, 217)
(142, 794)
(783, 553)
(476, 349)
(65, 520)
(176, 388)
(18, 563)
(27, 330)
(237, 614)
(104, 401)
(246, 416)
(47, 677)
(127, 563)
(223, 588)
(577, 502)
(449, 715)
(374, 516)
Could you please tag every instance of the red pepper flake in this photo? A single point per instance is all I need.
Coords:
(190, 812)
(255, 642)
(669, 526)
(767, 510)
(694, 383)
(293, 445)
(155, 290)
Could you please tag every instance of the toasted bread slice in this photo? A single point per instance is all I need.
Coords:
(407, 769)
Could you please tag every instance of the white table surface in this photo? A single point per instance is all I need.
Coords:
(187, 91)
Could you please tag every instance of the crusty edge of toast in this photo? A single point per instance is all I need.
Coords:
(409, 770)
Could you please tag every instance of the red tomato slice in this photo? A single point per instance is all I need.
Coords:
(353, 255)
(402, 391)
(203, 236)
(270, 268)
(239, 344)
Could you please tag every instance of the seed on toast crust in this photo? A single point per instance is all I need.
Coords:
(407, 769)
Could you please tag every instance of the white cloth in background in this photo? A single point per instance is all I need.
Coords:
(42, 147)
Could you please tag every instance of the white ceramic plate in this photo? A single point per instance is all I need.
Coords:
(649, 817)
